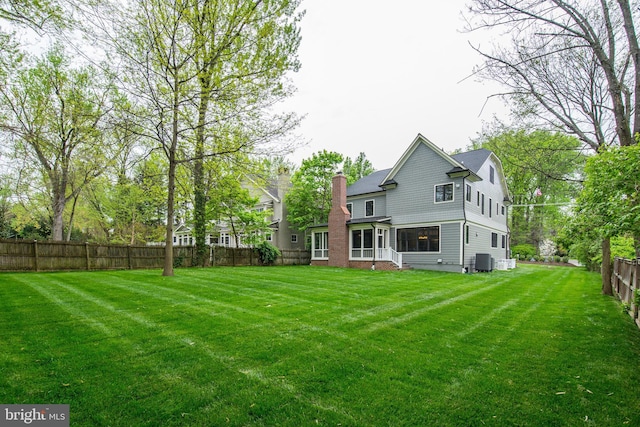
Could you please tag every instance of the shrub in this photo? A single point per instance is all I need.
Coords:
(525, 251)
(268, 253)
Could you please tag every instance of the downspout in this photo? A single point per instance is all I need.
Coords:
(464, 223)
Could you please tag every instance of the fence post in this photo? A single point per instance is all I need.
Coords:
(35, 255)
(86, 250)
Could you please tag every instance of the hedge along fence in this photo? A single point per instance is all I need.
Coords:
(624, 282)
(223, 256)
(32, 255)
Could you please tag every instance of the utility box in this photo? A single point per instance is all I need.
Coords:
(484, 262)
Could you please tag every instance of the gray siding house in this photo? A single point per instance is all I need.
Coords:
(430, 211)
(270, 198)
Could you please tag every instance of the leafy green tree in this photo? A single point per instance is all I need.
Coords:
(242, 52)
(309, 200)
(37, 14)
(356, 169)
(233, 204)
(207, 73)
(130, 207)
(611, 197)
(57, 117)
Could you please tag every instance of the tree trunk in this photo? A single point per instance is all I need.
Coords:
(171, 185)
(57, 228)
(199, 208)
(606, 267)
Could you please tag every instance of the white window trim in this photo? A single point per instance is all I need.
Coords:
(350, 210)
(322, 249)
(453, 193)
(373, 211)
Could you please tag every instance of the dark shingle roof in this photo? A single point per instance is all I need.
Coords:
(368, 184)
(473, 160)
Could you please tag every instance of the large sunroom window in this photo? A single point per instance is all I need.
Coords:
(420, 239)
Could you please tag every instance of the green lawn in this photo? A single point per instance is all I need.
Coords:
(303, 346)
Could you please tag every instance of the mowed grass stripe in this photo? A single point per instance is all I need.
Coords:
(178, 340)
(191, 351)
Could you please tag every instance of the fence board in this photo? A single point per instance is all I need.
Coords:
(624, 282)
(31, 255)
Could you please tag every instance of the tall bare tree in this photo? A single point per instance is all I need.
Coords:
(572, 66)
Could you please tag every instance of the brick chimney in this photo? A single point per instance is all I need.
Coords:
(338, 217)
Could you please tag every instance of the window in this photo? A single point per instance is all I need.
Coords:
(268, 237)
(294, 238)
(466, 235)
(478, 197)
(350, 208)
(492, 173)
(502, 210)
(482, 206)
(362, 243)
(490, 205)
(321, 244)
(494, 240)
(421, 239)
(504, 241)
(468, 193)
(444, 193)
(368, 208)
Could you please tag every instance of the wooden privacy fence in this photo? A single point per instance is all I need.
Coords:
(624, 282)
(31, 255)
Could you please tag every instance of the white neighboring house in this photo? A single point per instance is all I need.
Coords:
(270, 198)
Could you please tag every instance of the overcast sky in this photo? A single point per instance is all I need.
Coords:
(376, 73)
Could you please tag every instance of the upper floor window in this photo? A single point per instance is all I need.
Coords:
(368, 208)
(350, 208)
(444, 193)
(294, 238)
(468, 193)
(492, 173)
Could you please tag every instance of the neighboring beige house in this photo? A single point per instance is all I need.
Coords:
(270, 198)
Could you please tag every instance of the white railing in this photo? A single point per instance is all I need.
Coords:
(395, 257)
(381, 254)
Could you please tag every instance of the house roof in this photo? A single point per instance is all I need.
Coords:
(473, 160)
(368, 184)
(457, 167)
(468, 163)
